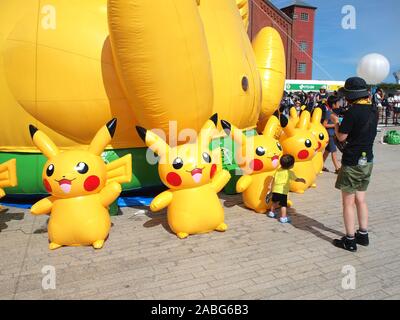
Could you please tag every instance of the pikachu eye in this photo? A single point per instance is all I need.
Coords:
(308, 143)
(260, 151)
(178, 163)
(206, 157)
(279, 146)
(50, 170)
(321, 136)
(82, 168)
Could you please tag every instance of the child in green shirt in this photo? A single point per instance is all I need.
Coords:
(281, 185)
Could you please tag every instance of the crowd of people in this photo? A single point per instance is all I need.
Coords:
(351, 116)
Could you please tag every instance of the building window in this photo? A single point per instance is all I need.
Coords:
(301, 67)
(304, 16)
(303, 46)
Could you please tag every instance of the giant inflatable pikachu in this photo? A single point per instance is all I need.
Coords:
(190, 171)
(302, 145)
(69, 66)
(82, 187)
(258, 157)
(8, 176)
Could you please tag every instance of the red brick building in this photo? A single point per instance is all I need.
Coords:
(295, 24)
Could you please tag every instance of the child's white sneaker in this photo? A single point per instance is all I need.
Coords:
(271, 214)
(284, 219)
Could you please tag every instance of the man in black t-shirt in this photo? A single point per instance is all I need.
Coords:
(358, 128)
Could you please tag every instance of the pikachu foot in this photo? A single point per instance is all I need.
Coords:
(299, 191)
(222, 227)
(182, 235)
(53, 246)
(98, 244)
(262, 211)
(313, 185)
(290, 203)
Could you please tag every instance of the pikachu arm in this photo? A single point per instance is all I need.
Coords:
(161, 201)
(243, 183)
(43, 206)
(109, 193)
(2, 193)
(220, 180)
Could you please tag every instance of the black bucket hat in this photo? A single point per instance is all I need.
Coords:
(355, 88)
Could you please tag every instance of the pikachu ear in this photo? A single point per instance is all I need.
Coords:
(272, 126)
(287, 126)
(304, 121)
(120, 170)
(208, 130)
(103, 137)
(316, 116)
(153, 141)
(43, 142)
(236, 134)
(8, 174)
(293, 115)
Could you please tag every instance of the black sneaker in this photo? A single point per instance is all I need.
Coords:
(362, 238)
(346, 243)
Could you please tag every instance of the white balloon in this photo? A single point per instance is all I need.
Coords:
(373, 68)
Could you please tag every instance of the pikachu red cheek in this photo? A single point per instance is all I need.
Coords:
(303, 154)
(174, 179)
(319, 145)
(256, 165)
(213, 170)
(47, 186)
(91, 183)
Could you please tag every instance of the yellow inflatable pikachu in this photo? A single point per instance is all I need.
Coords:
(8, 176)
(319, 131)
(302, 145)
(258, 157)
(190, 171)
(82, 186)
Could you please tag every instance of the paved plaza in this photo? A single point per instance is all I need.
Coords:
(257, 258)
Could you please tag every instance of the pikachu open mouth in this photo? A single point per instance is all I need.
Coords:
(197, 174)
(65, 185)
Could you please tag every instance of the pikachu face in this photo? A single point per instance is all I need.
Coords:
(318, 130)
(77, 172)
(186, 166)
(299, 142)
(260, 153)
(74, 173)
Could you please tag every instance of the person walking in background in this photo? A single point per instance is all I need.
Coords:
(332, 106)
(359, 129)
(377, 102)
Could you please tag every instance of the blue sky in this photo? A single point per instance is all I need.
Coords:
(337, 51)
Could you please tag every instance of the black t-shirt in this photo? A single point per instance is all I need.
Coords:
(360, 123)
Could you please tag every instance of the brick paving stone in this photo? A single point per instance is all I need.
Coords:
(257, 258)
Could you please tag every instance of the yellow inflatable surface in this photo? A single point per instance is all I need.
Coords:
(236, 80)
(258, 157)
(271, 62)
(320, 133)
(190, 171)
(302, 145)
(82, 187)
(8, 176)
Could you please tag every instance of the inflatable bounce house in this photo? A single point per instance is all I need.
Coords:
(67, 67)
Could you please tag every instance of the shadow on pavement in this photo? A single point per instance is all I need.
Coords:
(305, 223)
(157, 219)
(7, 217)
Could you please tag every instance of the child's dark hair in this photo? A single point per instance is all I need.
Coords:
(287, 161)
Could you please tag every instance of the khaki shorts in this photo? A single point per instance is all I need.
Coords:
(354, 178)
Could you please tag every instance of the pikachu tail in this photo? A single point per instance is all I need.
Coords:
(8, 174)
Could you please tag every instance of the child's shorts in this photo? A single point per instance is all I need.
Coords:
(280, 198)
